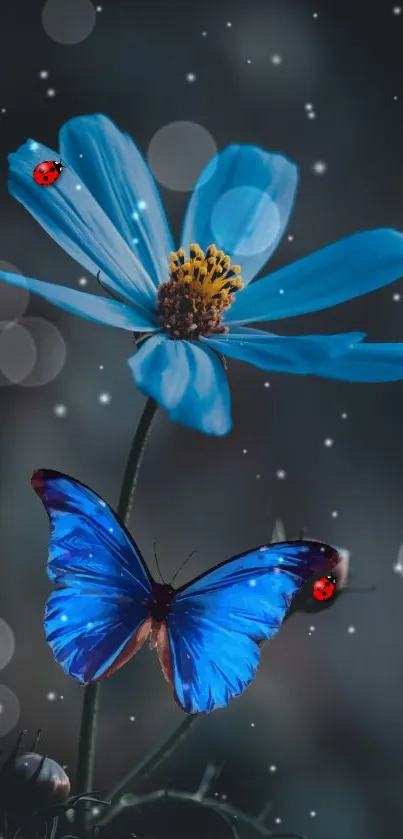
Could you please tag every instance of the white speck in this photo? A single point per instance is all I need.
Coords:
(191, 77)
(267, 384)
(33, 146)
(98, 8)
(395, 98)
(229, 24)
(281, 474)
(244, 451)
(397, 10)
(132, 719)
(258, 477)
(90, 625)
(398, 568)
(248, 61)
(312, 814)
(60, 410)
(111, 530)
(312, 629)
(315, 15)
(61, 697)
(101, 366)
(397, 297)
(290, 238)
(351, 630)
(102, 503)
(43, 74)
(204, 34)
(328, 442)
(319, 168)
(334, 514)
(51, 696)
(3, 110)
(104, 398)
(252, 583)
(135, 241)
(63, 618)
(51, 92)
(252, 725)
(142, 205)
(281, 291)
(95, 811)
(308, 106)
(272, 768)
(83, 281)
(311, 115)
(276, 59)
(81, 155)
(277, 820)
(78, 187)
(344, 415)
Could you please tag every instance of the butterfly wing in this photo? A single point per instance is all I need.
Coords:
(99, 618)
(210, 649)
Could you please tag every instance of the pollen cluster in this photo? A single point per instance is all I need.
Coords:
(199, 290)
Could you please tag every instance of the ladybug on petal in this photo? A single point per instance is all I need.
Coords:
(47, 172)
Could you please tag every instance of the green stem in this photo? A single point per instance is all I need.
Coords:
(145, 768)
(89, 717)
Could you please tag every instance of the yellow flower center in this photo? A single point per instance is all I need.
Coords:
(200, 289)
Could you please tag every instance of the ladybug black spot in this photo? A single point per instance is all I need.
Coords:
(41, 168)
(45, 178)
(52, 169)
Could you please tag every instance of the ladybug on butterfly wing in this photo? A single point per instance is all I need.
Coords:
(318, 595)
(47, 172)
(324, 588)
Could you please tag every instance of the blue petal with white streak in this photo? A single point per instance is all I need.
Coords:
(241, 203)
(74, 219)
(90, 306)
(287, 354)
(346, 269)
(187, 379)
(114, 172)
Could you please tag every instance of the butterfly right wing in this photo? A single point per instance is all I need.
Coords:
(99, 617)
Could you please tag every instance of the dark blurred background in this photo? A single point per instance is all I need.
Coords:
(318, 732)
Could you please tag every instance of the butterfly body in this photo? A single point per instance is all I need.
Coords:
(207, 633)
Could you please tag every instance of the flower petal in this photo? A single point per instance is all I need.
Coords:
(242, 203)
(287, 354)
(90, 306)
(346, 269)
(70, 214)
(114, 172)
(187, 379)
(367, 363)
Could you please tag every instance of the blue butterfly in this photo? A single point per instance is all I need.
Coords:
(207, 633)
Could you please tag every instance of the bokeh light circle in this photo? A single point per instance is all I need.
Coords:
(68, 21)
(178, 152)
(245, 221)
(7, 644)
(18, 353)
(14, 300)
(9, 710)
(51, 352)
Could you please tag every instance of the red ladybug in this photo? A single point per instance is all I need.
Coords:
(47, 172)
(324, 589)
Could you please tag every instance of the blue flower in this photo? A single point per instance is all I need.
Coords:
(190, 307)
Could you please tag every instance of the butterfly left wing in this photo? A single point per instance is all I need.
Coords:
(209, 650)
(99, 618)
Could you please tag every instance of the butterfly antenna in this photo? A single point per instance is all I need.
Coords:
(156, 561)
(182, 566)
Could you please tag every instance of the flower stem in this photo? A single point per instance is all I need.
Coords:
(89, 717)
(150, 763)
